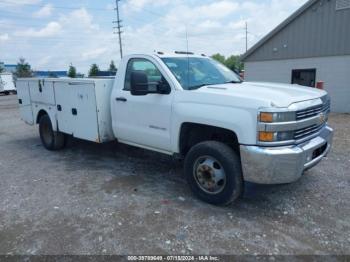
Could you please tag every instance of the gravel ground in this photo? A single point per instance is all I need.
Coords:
(116, 199)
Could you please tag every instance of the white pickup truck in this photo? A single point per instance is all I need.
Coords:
(228, 131)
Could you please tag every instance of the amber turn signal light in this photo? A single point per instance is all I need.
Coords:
(266, 136)
(266, 117)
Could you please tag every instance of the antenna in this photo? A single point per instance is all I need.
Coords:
(246, 36)
(188, 60)
(119, 26)
(187, 41)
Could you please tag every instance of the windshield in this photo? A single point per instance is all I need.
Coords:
(194, 72)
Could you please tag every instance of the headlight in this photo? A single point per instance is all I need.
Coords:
(270, 117)
(274, 120)
(276, 136)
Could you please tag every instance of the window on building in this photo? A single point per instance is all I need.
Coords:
(304, 77)
(342, 4)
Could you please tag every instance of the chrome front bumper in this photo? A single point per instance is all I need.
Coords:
(280, 165)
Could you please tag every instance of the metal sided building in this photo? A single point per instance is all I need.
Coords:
(311, 46)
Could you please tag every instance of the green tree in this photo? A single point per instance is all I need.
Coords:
(94, 69)
(2, 69)
(112, 67)
(220, 58)
(234, 63)
(23, 69)
(72, 71)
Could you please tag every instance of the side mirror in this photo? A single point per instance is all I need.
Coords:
(163, 87)
(139, 83)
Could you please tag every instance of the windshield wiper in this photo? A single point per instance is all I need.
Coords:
(233, 82)
(199, 86)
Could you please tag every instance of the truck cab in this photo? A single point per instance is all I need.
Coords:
(226, 130)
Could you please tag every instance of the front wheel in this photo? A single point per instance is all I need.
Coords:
(49, 138)
(213, 172)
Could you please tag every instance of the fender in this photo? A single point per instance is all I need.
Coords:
(240, 121)
(42, 110)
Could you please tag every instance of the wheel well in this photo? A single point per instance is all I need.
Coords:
(192, 134)
(40, 115)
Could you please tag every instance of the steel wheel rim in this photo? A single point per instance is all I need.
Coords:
(209, 175)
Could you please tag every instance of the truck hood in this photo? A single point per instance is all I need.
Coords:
(270, 94)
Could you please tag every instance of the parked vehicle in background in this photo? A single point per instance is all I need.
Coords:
(7, 84)
(192, 107)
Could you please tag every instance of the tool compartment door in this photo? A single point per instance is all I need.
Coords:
(25, 107)
(76, 109)
(41, 91)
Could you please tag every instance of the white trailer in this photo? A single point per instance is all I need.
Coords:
(7, 85)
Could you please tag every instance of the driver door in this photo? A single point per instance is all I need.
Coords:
(144, 120)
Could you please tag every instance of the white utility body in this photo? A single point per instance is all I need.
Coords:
(79, 107)
(189, 106)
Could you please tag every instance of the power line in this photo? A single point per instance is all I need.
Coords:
(148, 11)
(65, 7)
(119, 26)
(57, 40)
(23, 27)
(31, 17)
(255, 35)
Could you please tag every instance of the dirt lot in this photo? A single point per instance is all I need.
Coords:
(116, 199)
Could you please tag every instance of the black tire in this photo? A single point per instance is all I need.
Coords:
(50, 139)
(226, 159)
(6, 93)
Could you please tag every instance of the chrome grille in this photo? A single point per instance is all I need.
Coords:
(313, 111)
(307, 131)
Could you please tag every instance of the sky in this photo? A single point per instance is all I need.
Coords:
(52, 34)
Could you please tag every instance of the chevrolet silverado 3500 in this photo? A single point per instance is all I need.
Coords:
(228, 131)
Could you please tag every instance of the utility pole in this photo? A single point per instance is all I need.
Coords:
(118, 27)
(246, 36)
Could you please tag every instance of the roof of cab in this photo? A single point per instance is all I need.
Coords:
(178, 54)
(160, 54)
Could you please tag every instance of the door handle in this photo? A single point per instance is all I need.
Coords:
(121, 99)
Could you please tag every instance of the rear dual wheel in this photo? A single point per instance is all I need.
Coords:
(50, 139)
(213, 172)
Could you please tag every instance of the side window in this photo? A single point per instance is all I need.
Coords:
(139, 64)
